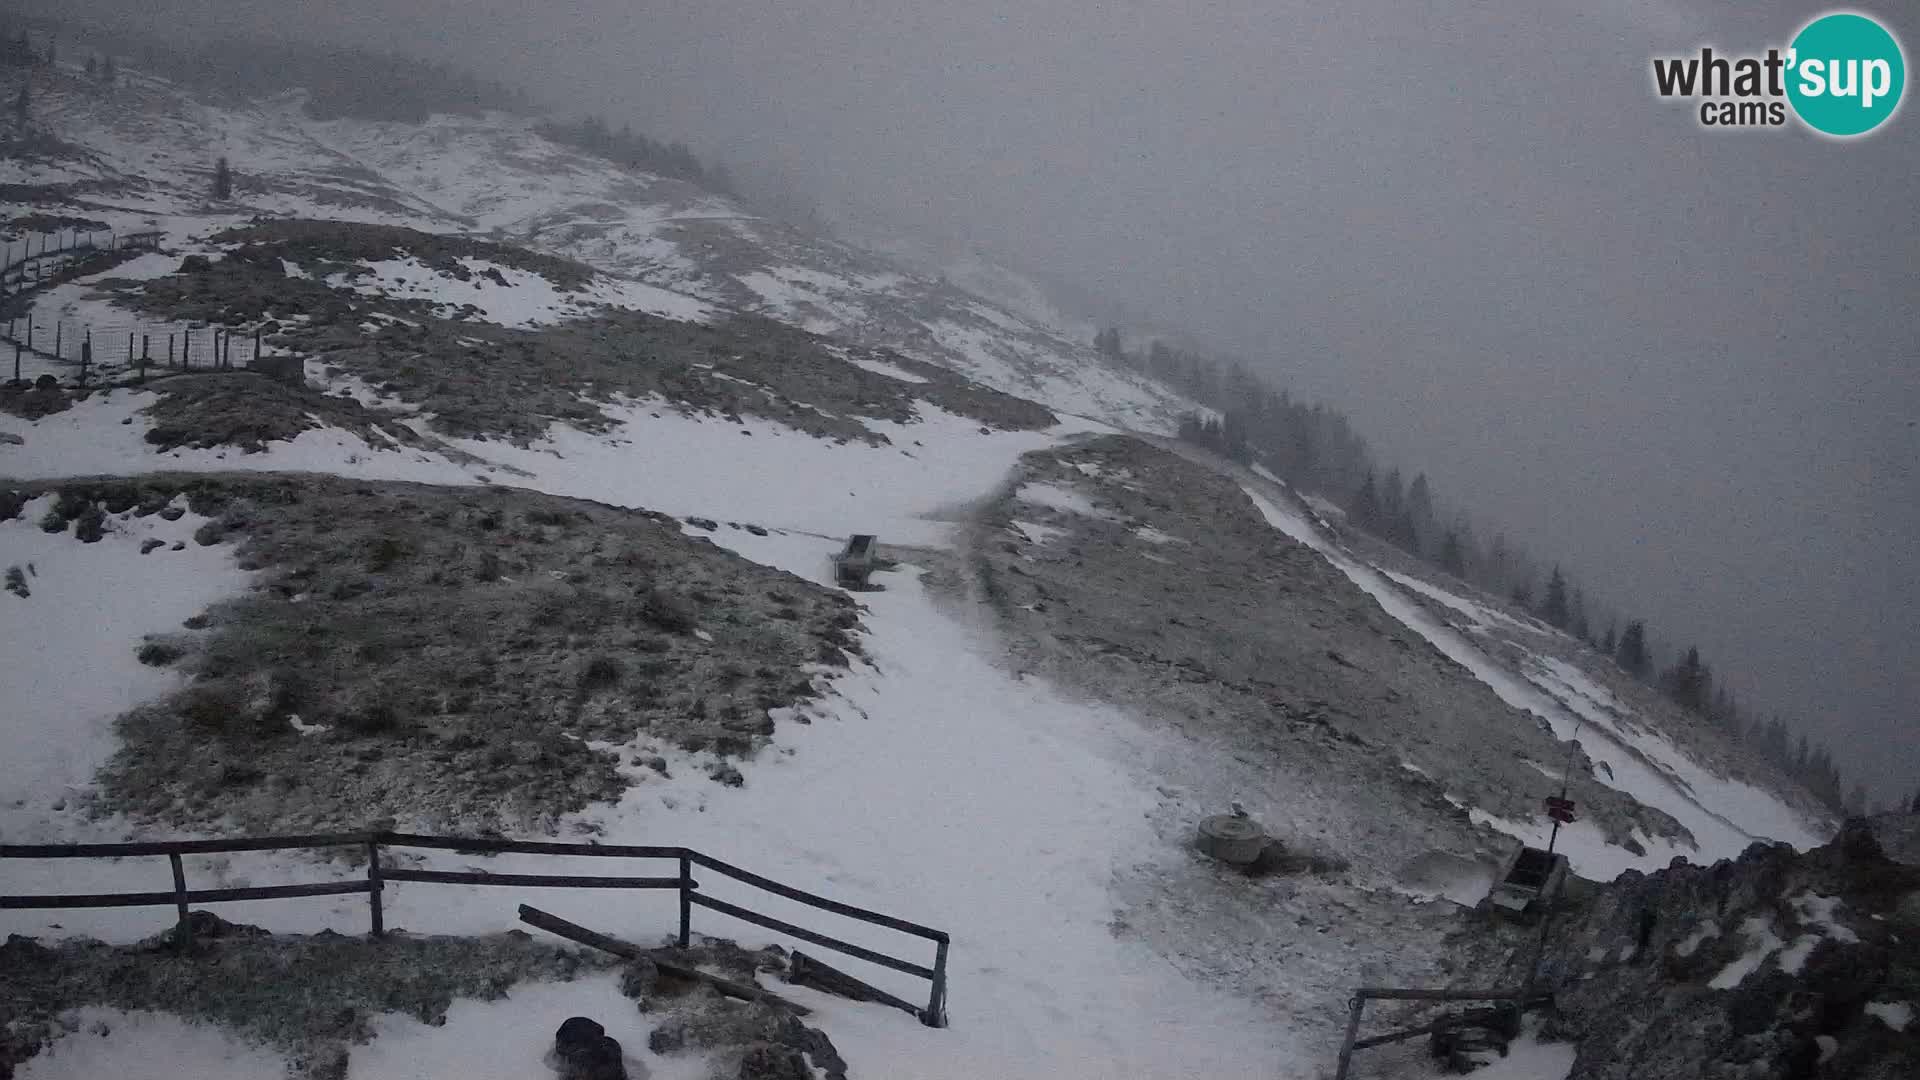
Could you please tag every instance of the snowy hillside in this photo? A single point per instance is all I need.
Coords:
(1532, 667)
(537, 537)
(145, 153)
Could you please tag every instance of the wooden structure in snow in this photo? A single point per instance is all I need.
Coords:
(1530, 880)
(854, 564)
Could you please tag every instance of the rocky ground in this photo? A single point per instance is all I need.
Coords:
(1775, 966)
(1165, 588)
(239, 978)
(445, 656)
(471, 378)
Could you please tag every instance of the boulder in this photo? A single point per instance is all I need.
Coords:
(587, 1052)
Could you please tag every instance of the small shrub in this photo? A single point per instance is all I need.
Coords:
(666, 612)
(384, 552)
(91, 525)
(159, 653)
(208, 534)
(600, 672)
(17, 582)
(52, 521)
(218, 710)
(369, 714)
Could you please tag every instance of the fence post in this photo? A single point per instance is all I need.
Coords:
(686, 900)
(180, 902)
(374, 886)
(936, 1015)
(255, 362)
(146, 354)
(129, 348)
(57, 327)
(86, 357)
(226, 356)
(17, 350)
(1355, 1006)
(186, 350)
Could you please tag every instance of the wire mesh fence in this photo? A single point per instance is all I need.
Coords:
(32, 258)
(69, 349)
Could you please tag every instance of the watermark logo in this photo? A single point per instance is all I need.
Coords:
(1842, 76)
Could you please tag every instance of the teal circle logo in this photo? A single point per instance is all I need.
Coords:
(1845, 74)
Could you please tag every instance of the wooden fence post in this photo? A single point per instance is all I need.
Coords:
(1355, 1006)
(86, 357)
(256, 348)
(186, 350)
(374, 886)
(686, 900)
(146, 354)
(57, 327)
(936, 1015)
(17, 350)
(180, 902)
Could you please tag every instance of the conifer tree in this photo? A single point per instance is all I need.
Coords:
(1631, 653)
(222, 180)
(1554, 607)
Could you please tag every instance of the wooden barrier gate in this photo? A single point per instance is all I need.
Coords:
(181, 898)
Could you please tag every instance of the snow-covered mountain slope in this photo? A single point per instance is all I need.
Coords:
(930, 774)
(1650, 753)
(146, 151)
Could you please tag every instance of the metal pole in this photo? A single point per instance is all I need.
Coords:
(1355, 1006)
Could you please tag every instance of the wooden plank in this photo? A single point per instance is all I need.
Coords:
(820, 902)
(533, 881)
(177, 847)
(180, 899)
(1399, 994)
(1473, 1018)
(553, 924)
(534, 847)
(376, 918)
(53, 901)
(835, 944)
(807, 971)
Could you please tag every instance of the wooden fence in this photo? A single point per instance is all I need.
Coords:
(180, 897)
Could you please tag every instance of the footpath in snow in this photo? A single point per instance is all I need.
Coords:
(930, 783)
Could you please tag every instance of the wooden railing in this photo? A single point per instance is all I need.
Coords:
(378, 874)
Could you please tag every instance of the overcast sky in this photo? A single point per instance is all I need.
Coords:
(1682, 361)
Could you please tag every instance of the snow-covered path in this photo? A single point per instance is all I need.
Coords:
(931, 783)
